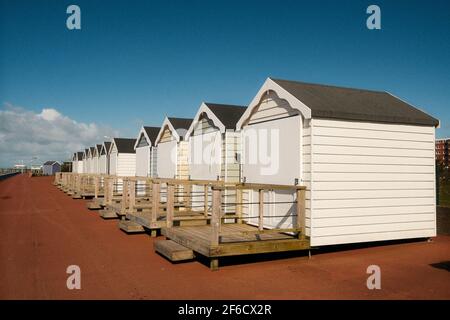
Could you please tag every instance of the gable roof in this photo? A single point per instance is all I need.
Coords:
(180, 123)
(152, 133)
(91, 151)
(106, 145)
(327, 101)
(50, 163)
(99, 148)
(178, 127)
(228, 114)
(124, 145)
(80, 155)
(223, 116)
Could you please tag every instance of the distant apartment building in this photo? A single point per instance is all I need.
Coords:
(442, 151)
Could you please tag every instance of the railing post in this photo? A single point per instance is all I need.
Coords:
(132, 199)
(78, 184)
(155, 200)
(105, 190)
(170, 205)
(125, 190)
(261, 210)
(239, 205)
(110, 190)
(96, 187)
(301, 213)
(205, 200)
(187, 199)
(216, 215)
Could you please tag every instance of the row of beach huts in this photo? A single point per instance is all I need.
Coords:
(302, 166)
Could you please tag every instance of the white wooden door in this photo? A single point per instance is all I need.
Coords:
(205, 156)
(271, 155)
(143, 161)
(167, 159)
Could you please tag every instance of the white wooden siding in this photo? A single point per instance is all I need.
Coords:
(371, 182)
(143, 161)
(80, 168)
(154, 162)
(182, 160)
(166, 159)
(113, 163)
(275, 116)
(126, 165)
(103, 164)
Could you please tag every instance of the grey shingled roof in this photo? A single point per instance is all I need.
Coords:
(125, 145)
(49, 163)
(355, 104)
(180, 123)
(152, 133)
(107, 145)
(228, 114)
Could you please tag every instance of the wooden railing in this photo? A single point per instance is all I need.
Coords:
(162, 196)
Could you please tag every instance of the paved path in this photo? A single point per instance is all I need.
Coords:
(43, 231)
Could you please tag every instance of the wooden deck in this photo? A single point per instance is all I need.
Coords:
(192, 218)
(236, 239)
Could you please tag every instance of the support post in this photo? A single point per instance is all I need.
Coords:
(239, 205)
(110, 190)
(125, 190)
(301, 213)
(205, 200)
(261, 210)
(132, 199)
(155, 201)
(187, 199)
(214, 264)
(216, 215)
(105, 190)
(96, 187)
(170, 205)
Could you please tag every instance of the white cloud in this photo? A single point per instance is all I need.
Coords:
(48, 135)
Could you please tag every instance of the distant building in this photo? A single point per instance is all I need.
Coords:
(36, 169)
(50, 168)
(442, 151)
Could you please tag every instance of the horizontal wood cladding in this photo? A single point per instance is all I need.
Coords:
(271, 107)
(126, 164)
(371, 181)
(182, 160)
(166, 135)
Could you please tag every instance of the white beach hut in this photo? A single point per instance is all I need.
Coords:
(77, 162)
(122, 157)
(366, 158)
(103, 161)
(86, 162)
(145, 151)
(172, 150)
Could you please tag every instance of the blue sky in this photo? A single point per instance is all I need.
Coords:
(133, 62)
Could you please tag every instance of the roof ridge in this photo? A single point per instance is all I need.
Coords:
(327, 85)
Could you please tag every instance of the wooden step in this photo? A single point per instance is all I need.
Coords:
(93, 205)
(130, 226)
(107, 214)
(172, 250)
